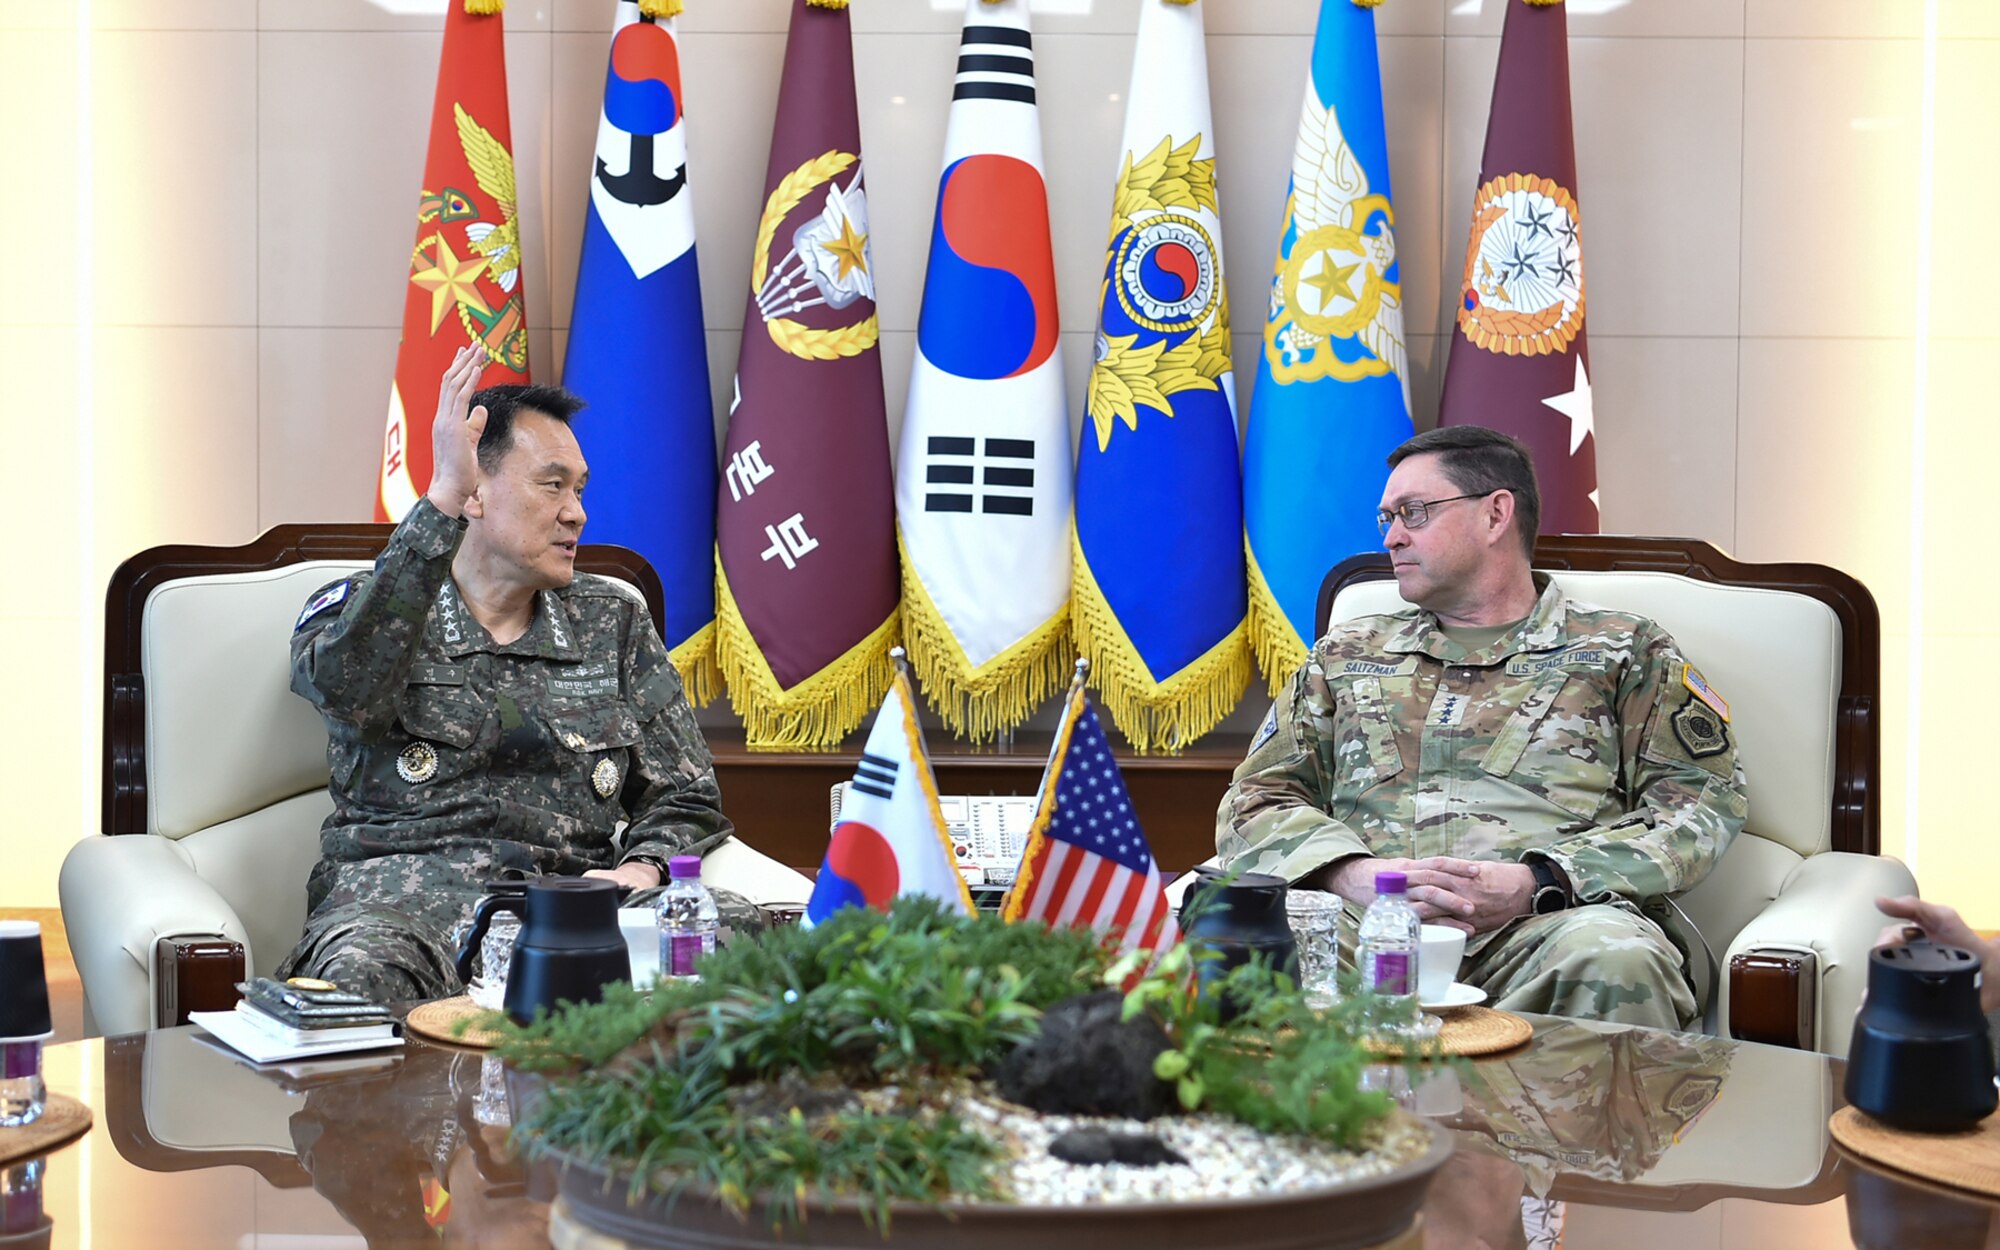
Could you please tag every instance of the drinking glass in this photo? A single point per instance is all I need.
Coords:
(1315, 919)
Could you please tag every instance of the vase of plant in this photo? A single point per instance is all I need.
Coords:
(861, 1084)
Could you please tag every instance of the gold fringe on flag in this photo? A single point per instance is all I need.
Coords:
(926, 776)
(1279, 652)
(1180, 1)
(826, 4)
(659, 10)
(695, 661)
(819, 712)
(1543, 4)
(484, 8)
(978, 703)
(1367, 4)
(1162, 716)
(1015, 905)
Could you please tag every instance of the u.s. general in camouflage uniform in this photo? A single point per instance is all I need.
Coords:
(456, 760)
(1581, 735)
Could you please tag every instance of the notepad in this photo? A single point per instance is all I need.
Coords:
(261, 1045)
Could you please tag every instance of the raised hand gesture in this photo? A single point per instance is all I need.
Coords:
(455, 433)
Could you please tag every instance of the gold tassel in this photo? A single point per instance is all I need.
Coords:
(484, 8)
(819, 712)
(659, 10)
(695, 661)
(826, 4)
(1164, 716)
(1278, 651)
(1543, 4)
(978, 703)
(1180, 1)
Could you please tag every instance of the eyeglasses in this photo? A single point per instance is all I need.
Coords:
(1416, 513)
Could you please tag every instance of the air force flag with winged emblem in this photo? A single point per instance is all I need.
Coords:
(983, 480)
(637, 351)
(1333, 379)
(1158, 600)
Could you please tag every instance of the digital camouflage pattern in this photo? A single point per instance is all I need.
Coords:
(456, 760)
(1582, 735)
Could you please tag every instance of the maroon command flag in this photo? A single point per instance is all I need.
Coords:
(1519, 362)
(807, 586)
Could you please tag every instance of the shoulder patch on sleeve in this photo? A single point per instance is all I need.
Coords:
(1698, 729)
(332, 597)
(1269, 727)
(1699, 687)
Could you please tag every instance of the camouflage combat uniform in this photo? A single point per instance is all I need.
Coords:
(1581, 735)
(456, 760)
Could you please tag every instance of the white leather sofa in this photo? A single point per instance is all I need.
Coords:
(215, 772)
(1789, 912)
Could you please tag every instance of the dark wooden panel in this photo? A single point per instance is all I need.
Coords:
(195, 972)
(1773, 998)
(780, 801)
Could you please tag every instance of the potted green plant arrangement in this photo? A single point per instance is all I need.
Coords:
(922, 1077)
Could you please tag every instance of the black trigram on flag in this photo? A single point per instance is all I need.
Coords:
(995, 63)
(1001, 479)
(876, 776)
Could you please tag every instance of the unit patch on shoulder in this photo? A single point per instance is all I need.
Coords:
(332, 597)
(1265, 730)
(1701, 732)
(1698, 684)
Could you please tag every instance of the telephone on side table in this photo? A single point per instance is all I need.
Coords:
(988, 833)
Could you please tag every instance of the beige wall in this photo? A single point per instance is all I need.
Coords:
(198, 318)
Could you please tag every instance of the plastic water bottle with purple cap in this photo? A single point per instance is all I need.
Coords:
(688, 918)
(1387, 947)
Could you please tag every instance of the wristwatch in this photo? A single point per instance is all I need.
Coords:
(1550, 895)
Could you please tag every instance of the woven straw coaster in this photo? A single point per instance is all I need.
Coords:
(62, 1121)
(1471, 1031)
(1968, 1160)
(438, 1021)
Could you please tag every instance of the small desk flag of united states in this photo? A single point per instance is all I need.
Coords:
(1087, 862)
(890, 839)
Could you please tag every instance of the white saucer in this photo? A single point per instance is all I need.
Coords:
(1460, 995)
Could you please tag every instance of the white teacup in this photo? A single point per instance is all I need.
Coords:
(1441, 950)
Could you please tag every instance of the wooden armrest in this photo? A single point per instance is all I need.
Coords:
(1773, 997)
(195, 972)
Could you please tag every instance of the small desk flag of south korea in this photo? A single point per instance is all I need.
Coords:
(890, 839)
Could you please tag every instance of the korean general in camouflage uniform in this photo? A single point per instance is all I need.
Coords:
(1577, 736)
(456, 759)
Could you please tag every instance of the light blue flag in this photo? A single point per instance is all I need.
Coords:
(637, 351)
(1333, 380)
(1158, 593)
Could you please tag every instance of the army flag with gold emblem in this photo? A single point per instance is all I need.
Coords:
(1333, 375)
(465, 271)
(984, 472)
(806, 593)
(1519, 361)
(1158, 597)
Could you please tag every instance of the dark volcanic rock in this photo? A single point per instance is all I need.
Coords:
(1086, 1061)
(1094, 1145)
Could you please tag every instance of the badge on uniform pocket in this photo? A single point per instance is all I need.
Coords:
(604, 779)
(417, 763)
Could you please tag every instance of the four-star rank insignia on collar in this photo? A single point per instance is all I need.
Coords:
(417, 763)
(604, 779)
(1700, 730)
